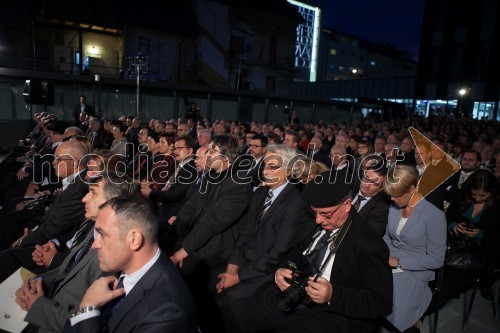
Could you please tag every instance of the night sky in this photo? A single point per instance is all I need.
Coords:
(397, 22)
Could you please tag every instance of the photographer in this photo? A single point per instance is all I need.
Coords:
(347, 283)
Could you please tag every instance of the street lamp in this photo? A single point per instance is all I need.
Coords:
(461, 92)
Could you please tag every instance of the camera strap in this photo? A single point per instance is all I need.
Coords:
(334, 246)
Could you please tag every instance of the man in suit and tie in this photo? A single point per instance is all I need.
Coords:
(82, 107)
(173, 195)
(96, 133)
(257, 149)
(348, 283)
(276, 222)
(150, 295)
(469, 164)
(369, 200)
(66, 209)
(60, 291)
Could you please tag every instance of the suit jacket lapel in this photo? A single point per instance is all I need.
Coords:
(137, 293)
(345, 246)
(276, 203)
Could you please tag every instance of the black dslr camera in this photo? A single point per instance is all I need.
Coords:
(291, 296)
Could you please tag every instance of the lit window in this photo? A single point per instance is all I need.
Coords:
(373, 63)
(333, 52)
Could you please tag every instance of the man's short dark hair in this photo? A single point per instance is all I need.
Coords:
(188, 139)
(135, 211)
(262, 138)
(114, 185)
(295, 136)
(228, 146)
(472, 151)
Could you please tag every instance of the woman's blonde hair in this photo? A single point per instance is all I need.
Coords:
(400, 179)
(305, 169)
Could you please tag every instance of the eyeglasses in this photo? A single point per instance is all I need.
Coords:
(177, 148)
(272, 167)
(325, 215)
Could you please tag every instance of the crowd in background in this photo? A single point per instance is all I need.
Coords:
(231, 202)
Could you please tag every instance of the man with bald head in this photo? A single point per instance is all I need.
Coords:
(66, 209)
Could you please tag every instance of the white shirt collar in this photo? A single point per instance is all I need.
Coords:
(130, 280)
(69, 180)
(185, 161)
(278, 190)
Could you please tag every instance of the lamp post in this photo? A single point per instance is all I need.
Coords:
(461, 92)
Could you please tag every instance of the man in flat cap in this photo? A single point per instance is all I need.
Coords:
(348, 283)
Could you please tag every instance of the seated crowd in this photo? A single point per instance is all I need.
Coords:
(196, 226)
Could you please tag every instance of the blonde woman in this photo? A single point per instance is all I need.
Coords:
(416, 237)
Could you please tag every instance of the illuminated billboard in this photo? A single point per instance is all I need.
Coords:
(307, 40)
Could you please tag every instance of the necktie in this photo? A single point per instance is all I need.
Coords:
(358, 202)
(172, 179)
(319, 252)
(267, 204)
(79, 255)
(79, 233)
(113, 305)
(463, 178)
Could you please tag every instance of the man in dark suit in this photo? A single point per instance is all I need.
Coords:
(63, 288)
(318, 152)
(276, 222)
(82, 107)
(207, 225)
(349, 284)
(172, 195)
(408, 152)
(96, 133)
(469, 164)
(369, 200)
(257, 150)
(67, 208)
(150, 295)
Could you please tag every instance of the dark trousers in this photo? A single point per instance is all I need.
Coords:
(260, 313)
(12, 259)
(13, 224)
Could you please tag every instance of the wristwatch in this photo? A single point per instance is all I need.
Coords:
(82, 310)
(398, 265)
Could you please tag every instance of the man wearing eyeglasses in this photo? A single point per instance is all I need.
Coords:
(207, 225)
(257, 150)
(350, 281)
(172, 195)
(276, 222)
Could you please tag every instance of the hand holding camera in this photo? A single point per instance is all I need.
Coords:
(319, 291)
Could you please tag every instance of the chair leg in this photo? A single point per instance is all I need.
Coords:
(468, 309)
(436, 309)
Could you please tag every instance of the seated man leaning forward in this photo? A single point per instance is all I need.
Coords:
(342, 281)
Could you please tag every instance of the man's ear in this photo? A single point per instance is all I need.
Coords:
(135, 239)
(348, 205)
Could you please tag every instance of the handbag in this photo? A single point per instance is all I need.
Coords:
(464, 253)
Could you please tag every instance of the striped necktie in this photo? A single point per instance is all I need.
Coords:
(267, 204)
(357, 204)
